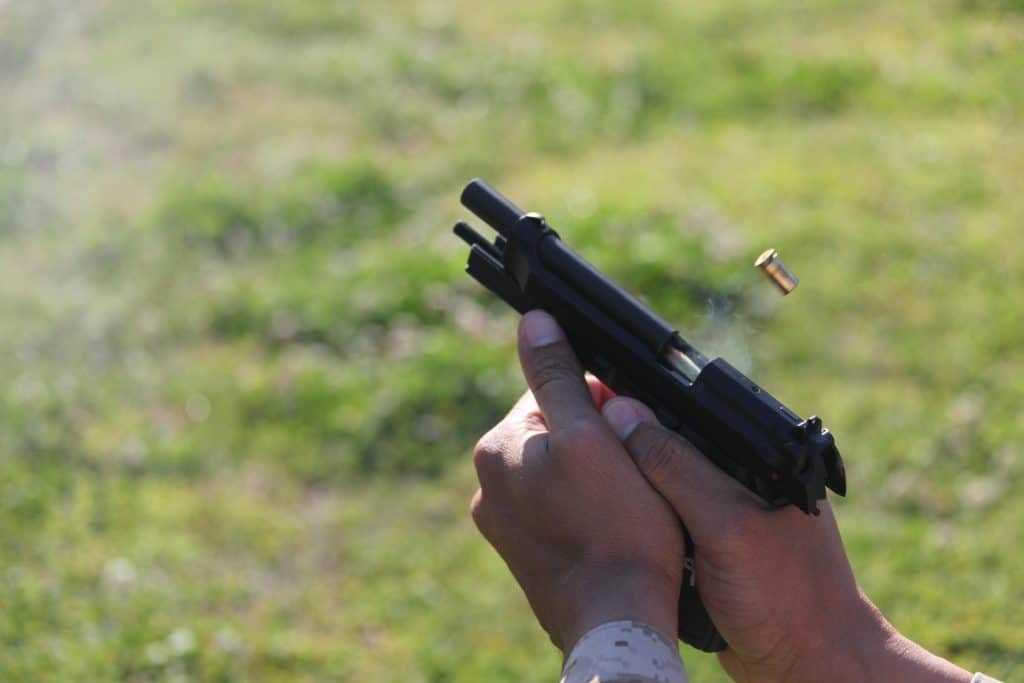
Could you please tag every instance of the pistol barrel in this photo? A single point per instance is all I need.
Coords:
(502, 215)
(491, 206)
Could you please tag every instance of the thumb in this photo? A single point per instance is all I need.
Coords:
(553, 373)
(704, 497)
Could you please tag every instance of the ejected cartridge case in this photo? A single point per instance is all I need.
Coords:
(775, 270)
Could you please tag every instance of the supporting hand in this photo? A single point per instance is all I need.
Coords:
(585, 535)
(776, 582)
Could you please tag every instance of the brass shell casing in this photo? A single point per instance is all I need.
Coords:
(776, 271)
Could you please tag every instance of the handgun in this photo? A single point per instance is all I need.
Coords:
(731, 419)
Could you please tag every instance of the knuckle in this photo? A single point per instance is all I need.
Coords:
(487, 454)
(553, 368)
(476, 506)
(659, 460)
(744, 528)
(580, 436)
(480, 513)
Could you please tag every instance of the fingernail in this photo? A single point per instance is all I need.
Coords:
(540, 329)
(622, 416)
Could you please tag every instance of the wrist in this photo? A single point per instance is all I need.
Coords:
(843, 646)
(867, 648)
(598, 596)
(905, 660)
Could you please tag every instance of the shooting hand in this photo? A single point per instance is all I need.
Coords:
(776, 582)
(583, 533)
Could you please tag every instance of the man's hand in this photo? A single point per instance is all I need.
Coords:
(570, 499)
(776, 582)
(560, 499)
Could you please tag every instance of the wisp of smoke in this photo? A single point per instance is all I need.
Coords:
(726, 332)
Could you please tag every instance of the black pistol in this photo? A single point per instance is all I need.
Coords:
(742, 428)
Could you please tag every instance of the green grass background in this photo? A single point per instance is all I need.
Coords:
(242, 369)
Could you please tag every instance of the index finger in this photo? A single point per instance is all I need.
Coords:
(553, 373)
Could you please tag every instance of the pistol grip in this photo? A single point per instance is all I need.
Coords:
(695, 626)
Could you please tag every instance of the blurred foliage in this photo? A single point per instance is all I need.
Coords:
(318, 206)
(243, 368)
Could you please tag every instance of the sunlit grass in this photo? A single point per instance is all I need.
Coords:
(243, 368)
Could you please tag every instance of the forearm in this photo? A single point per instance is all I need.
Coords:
(621, 651)
(875, 651)
(853, 645)
(905, 660)
(894, 657)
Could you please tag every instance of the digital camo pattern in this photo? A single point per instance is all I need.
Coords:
(624, 652)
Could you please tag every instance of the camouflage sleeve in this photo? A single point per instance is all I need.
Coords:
(624, 652)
